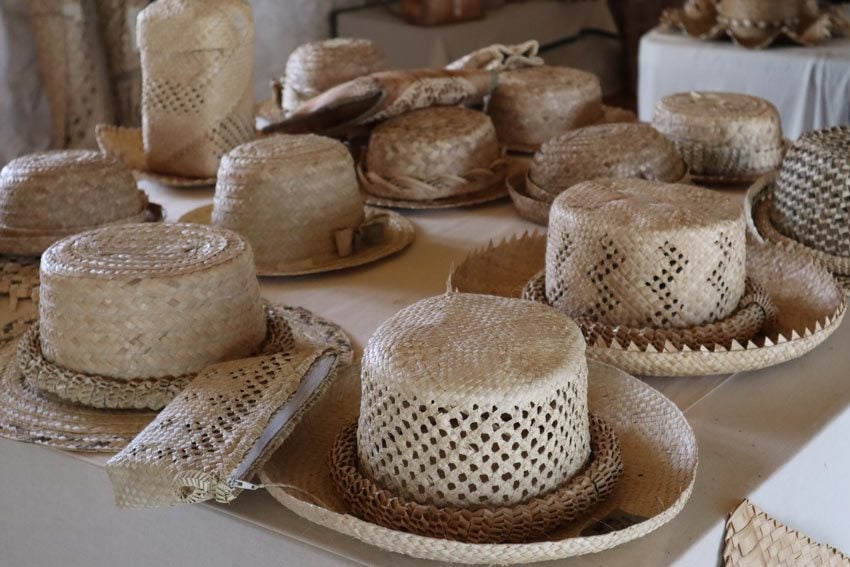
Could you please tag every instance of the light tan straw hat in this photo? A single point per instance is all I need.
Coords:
(663, 281)
(296, 200)
(805, 205)
(128, 316)
(628, 150)
(431, 155)
(723, 137)
(483, 437)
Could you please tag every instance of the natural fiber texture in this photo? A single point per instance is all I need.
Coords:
(47, 196)
(658, 450)
(516, 523)
(19, 278)
(492, 193)
(197, 92)
(607, 150)
(722, 136)
(754, 539)
(809, 304)
(529, 207)
(318, 66)
(498, 57)
(73, 68)
(191, 452)
(645, 254)
(26, 414)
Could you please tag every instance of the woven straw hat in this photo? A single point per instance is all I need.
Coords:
(723, 137)
(461, 394)
(128, 316)
(662, 281)
(533, 104)
(433, 154)
(296, 200)
(804, 205)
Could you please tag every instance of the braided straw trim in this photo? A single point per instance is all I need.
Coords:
(526, 521)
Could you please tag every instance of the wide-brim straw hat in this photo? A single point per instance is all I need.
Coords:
(27, 414)
(809, 307)
(397, 235)
(659, 457)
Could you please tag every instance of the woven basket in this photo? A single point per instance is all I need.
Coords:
(197, 89)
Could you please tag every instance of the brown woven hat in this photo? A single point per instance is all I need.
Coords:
(433, 154)
(723, 137)
(128, 315)
(297, 201)
(473, 427)
(804, 205)
(662, 282)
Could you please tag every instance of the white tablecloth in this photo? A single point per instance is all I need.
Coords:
(809, 85)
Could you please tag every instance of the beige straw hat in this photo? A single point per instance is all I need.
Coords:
(723, 137)
(804, 206)
(663, 281)
(296, 200)
(533, 104)
(128, 316)
(480, 421)
(628, 150)
(433, 154)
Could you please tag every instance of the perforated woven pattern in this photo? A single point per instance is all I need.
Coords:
(197, 90)
(645, 254)
(473, 400)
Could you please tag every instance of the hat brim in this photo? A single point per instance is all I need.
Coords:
(810, 305)
(659, 455)
(27, 414)
(398, 235)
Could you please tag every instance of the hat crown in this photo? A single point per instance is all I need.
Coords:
(767, 11)
(317, 66)
(474, 400)
(191, 25)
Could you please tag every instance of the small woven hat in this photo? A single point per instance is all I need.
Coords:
(723, 137)
(297, 201)
(480, 422)
(431, 155)
(128, 316)
(533, 104)
(607, 150)
(663, 281)
(805, 204)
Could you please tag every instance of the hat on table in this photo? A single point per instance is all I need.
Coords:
(297, 201)
(433, 157)
(128, 316)
(628, 150)
(663, 281)
(804, 206)
(723, 137)
(484, 437)
(532, 104)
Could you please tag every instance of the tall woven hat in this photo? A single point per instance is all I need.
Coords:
(663, 280)
(805, 205)
(723, 137)
(607, 150)
(296, 200)
(128, 316)
(484, 437)
(532, 104)
(433, 156)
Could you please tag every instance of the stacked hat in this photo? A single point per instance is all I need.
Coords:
(723, 137)
(128, 315)
(433, 157)
(480, 421)
(607, 150)
(805, 204)
(297, 201)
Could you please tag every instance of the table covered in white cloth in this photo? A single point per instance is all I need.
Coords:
(809, 85)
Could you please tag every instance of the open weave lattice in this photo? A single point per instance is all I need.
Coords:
(722, 135)
(45, 197)
(645, 254)
(197, 89)
(473, 400)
